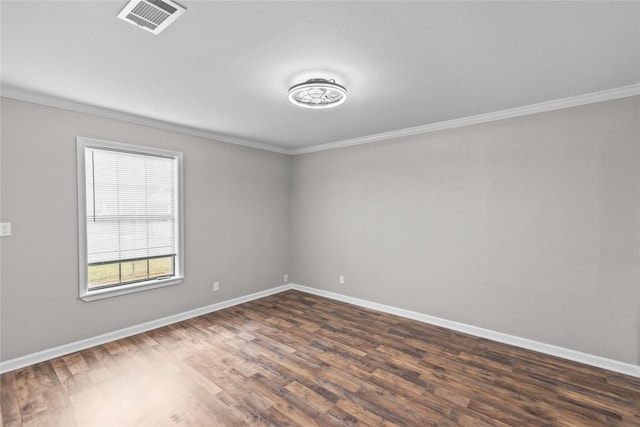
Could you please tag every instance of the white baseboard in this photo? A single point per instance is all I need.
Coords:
(576, 356)
(41, 356)
(565, 353)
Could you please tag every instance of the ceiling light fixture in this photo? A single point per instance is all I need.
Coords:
(317, 94)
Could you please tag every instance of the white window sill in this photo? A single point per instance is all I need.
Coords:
(129, 289)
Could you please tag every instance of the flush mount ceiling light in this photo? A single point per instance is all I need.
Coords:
(317, 94)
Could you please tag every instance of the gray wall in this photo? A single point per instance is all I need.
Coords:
(528, 226)
(236, 227)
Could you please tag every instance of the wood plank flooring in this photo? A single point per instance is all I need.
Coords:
(295, 359)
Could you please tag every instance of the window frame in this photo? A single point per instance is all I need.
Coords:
(84, 292)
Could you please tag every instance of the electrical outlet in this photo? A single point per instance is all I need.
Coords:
(341, 279)
(285, 278)
(216, 286)
(5, 229)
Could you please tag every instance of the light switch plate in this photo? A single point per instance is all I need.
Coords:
(5, 229)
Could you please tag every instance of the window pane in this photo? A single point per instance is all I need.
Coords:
(133, 241)
(102, 241)
(103, 275)
(134, 270)
(161, 267)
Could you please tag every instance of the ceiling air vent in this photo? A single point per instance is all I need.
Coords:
(151, 15)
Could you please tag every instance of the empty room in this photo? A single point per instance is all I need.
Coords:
(319, 213)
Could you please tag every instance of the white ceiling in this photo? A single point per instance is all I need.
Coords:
(224, 67)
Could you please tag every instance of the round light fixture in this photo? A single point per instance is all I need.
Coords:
(317, 94)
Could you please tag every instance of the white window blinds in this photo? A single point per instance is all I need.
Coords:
(131, 205)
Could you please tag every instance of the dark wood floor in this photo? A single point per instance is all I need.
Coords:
(299, 359)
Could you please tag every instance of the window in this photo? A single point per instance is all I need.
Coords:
(129, 218)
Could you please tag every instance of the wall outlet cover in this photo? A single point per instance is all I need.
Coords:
(5, 229)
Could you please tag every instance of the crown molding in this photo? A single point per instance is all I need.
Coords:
(79, 107)
(557, 104)
(574, 101)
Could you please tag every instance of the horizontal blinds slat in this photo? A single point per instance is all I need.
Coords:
(131, 205)
(117, 218)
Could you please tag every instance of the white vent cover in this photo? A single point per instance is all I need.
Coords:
(151, 15)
